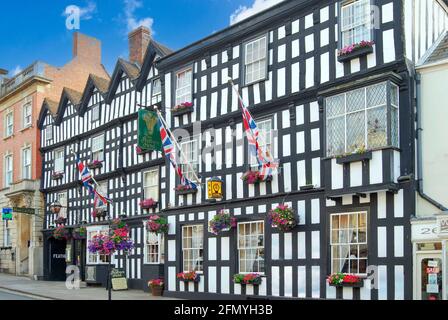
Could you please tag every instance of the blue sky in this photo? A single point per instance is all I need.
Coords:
(36, 30)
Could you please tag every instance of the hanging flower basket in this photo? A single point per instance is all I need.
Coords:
(95, 164)
(222, 222)
(156, 286)
(183, 189)
(57, 175)
(254, 177)
(108, 244)
(148, 204)
(60, 220)
(183, 108)
(250, 278)
(283, 218)
(79, 233)
(61, 233)
(188, 276)
(99, 213)
(157, 224)
(140, 151)
(340, 279)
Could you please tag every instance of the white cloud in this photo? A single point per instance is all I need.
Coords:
(132, 22)
(244, 12)
(85, 13)
(16, 70)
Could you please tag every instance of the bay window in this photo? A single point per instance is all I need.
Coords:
(154, 248)
(192, 248)
(251, 247)
(348, 243)
(365, 118)
(355, 22)
(184, 86)
(98, 148)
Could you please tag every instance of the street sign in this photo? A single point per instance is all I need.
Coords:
(24, 210)
(6, 214)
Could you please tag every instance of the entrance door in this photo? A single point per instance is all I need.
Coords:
(80, 257)
(429, 276)
(57, 260)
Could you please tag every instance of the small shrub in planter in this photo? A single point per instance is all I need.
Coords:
(340, 279)
(156, 286)
(250, 278)
(282, 217)
(222, 222)
(188, 276)
(95, 164)
(80, 233)
(182, 108)
(157, 224)
(61, 233)
(253, 177)
(148, 204)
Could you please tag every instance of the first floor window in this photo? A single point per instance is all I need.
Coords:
(27, 115)
(151, 184)
(255, 60)
(190, 158)
(8, 171)
(264, 142)
(59, 160)
(184, 80)
(96, 258)
(355, 22)
(154, 248)
(9, 124)
(349, 242)
(251, 247)
(98, 148)
(192, 247)
(26, 163)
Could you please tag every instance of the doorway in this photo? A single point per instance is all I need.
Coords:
(57, 259)
(80, 257)
(429, 276)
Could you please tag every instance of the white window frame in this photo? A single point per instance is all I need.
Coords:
(155, 95)
(339, 244)
(8, 169)
(59, 162)
(192, 249)
(98, 151)
(27, 123)
(155, 185)
(91, 231)
(262, 142)
(26, 165)
(49, 132)
(184, 87)
(95, 113)
(355, 23)
(7, 239)
(261, 60)
(160, 245)
(190, 161)
(63, 200)
(241, 248)
(9, 123)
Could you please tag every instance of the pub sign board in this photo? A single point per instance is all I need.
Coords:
(119, 281)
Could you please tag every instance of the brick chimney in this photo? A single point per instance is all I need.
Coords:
(86, 47)
(138, 43)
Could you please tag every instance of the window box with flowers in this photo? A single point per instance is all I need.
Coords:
(95, 164)
(79, 233)
(61, 233)
(157, 224)
(340, 279)
(99, 213)
(183, 108)
(190, 276)
(283, 218)
(182, 189)
(57, 175)
(156, 286)
(249, 278)
(254, 177)
(355, 50)
(221, 222)
(148, 204)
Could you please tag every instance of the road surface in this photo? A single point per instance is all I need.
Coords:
(6, 295)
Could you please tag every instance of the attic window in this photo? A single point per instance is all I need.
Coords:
(49, 132)
(95, 113)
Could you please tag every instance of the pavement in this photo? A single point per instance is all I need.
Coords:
(22, 288)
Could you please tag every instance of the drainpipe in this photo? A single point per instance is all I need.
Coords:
(419, 148)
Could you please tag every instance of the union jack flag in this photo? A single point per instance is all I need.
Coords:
(169, 150)
(266, 164)
(86, 176)
(100, 200)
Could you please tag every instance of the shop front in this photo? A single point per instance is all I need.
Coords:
(430, 238)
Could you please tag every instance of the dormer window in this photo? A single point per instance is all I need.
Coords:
(95, 113)
(255, 60)
(156, 90)
(49, 132)
(355, 22)
(183, 86)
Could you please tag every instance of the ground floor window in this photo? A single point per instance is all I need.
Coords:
(192, 247)
(349, 242)
(154, 248)
(96, 258)
(251, 247)
(7, 241)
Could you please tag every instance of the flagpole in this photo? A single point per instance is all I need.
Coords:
(177, 145)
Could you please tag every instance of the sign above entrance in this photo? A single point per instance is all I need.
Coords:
(6, 214)
(24, 210)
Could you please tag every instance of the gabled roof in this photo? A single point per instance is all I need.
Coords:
(93, 82)
(154, 49)
(440, 52)
(47, 106)
(67, 95)
(122, 66)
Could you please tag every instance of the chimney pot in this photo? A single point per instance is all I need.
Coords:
(138, 44)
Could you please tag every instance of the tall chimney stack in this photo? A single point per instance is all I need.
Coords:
(138, 43)
(86, 47)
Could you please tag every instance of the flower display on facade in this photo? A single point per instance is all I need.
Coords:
(188, 276)
(282, 217)
(118, 239)
(222, 222)
(340, 278)
(79, 233)
(252, 177)
(157, 224)
(148, 203)
(155, 283)
(94, 164)
(61, 233)
(183, 107)
(250, 278)
(354, 47)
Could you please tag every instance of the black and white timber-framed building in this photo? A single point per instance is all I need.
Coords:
(343, 129)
